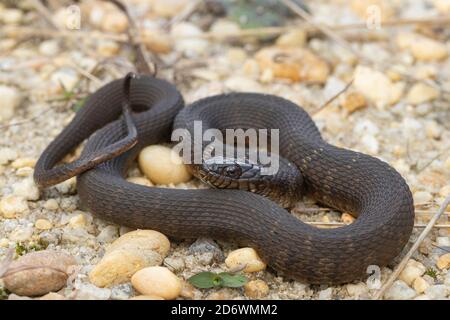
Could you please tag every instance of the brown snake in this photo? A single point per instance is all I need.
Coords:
(340, 178)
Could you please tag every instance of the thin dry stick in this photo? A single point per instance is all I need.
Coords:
(348, 85)
(413, 249)
(43, 11)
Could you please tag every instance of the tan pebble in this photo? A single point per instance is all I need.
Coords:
(6, 154)
(187, 291)
(23, 162)
(242, 84)
(11, 16)
(421, 93)
(412, 271)
(163, 165)
(24, 172)
(443, 6)
(156, 41)
(149, 239)
(26, 188)
(422, 197)
(224, 27)
(444, 261)
(107, 48)
(11, 99)
(118, 266)
(354, 101)
(78, 221)
(433, 130)
(38, 273)
(236, 56)
(420, 285)
(295, 64)
(4, 243)
(256, 289)
(168, 8)
(114, 22)
(251, 68)
(294, 38)
(146, 297)
(247, 257)
(422, 47)
(51, 204)
(140, 180)
(188, 39)
(12, 205)
(158, 281)
(43, 224)
(376, 86)
(347, 218)
(53, 296)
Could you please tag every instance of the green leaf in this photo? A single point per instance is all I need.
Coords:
(205, 280)
(79, 104)
(232, 280)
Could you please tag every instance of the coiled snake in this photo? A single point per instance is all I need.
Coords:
(340, 178)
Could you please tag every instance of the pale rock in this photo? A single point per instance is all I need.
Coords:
(114, 22)
(12, 205)
(53, 296)
(158, 281)
(78, 221)
(108, 48)
(43, 224)
(4, 243)
(422, 47)
(186, 39)
(78, 235)
(67, 187)
(437, 292)
(447, 279)
(433, 130)
(295, 64)
(225, 27)
(443, 261)
(256, 289)
(236, 56)
(443, 6)
(141, 181)
(65, 78)
(420, 93)
(422, 297)
(242, 84)
(365, 126)
(247, 258)
(168, 8)
(128, 254)
(422, 197)
(412, 271)
(174, 264)
(156, 40)
(326, 294)
(420, 285)
(88, 291)
(377, 87)
(357, 290)
(11, 16)
(21, 234)
(49, 48)
(11, 99)
(400, 291)
(163, 165)
(370, 143)
(443, 241)
(294, 38)
(108, 234)
(51, 204)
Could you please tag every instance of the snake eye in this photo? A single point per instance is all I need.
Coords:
(232, 171)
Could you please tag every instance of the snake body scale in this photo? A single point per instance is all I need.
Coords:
(340, 178)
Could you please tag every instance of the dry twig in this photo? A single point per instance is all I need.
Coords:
(413, 249)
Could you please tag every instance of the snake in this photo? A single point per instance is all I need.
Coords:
(125, 115)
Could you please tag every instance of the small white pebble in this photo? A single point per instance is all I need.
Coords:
(12, 205)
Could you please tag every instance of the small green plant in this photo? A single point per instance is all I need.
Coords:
(22, 248)
(205, 280)
(431, 272)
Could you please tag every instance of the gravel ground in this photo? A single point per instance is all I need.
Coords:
(403, 120)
